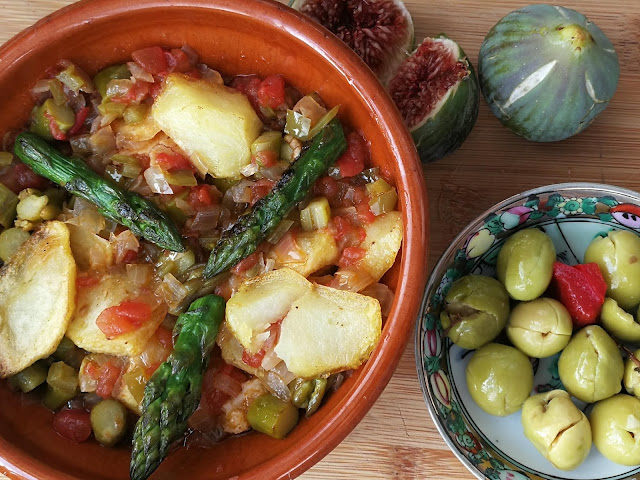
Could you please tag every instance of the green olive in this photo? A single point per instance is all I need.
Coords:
(618, 256)
(525, 263)
(557, 428)
(540, 328)
(631, 379)
(615, 425)
(590, 366)
(500, 379)
(619, 323)
(476, 311)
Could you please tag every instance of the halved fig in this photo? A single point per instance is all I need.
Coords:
(437, 93)
(379, 31)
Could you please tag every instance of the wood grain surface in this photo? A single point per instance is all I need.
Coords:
(397, 439)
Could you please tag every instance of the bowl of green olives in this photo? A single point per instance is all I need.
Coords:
(528, 339)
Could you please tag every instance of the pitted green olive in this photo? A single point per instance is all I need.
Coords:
(619, 323)
(557, 428)
(590, 366)
(618, 256)
(499, 378)
(615, 426)
(476, 310)
(525, 263)
(540, 328)
(631, 379)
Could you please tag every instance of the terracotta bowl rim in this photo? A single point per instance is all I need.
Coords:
(377, 372)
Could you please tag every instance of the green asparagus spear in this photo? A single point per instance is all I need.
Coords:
(140, 215)
(173, 391)
(242, 238)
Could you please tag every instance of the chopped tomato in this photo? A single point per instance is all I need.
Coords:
(19, 176)
(86, 280)
(271, 91)
(123, 318)
(265, 158)
(365, 215)
(54, 128)
(254, 360)
(74, 424)
(81, 116)
(152, 59)
(108, 375)
(165, 338)
(351, 255)
(331, 189)
(136, 94)
(247, 84)
(203, 196)
(130, 256)
(214, 398)
(246, 263)
(260, 189)
(346, 233)
(173, 161)
(178, 61)
(352, 161)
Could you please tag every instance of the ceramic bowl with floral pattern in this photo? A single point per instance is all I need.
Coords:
(492, 447)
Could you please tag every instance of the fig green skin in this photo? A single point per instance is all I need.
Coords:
(618, 323)
(615, 425)
(447, 127)
(557, 428)
(540, 328)
(476, 311)
(499, 378)
(525, 263)
(631, 379)
(618, 256)
(591, 366)
(524, 42)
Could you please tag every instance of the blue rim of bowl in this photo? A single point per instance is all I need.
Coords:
(433, 280)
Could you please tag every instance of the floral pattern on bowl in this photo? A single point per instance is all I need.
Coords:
(491, 447)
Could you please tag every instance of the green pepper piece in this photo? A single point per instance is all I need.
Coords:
(54, 398)
(103, 77)
(69, 353)
(268, 414)
(42, 115)
(297, 124)
(319, 389)
(301, 392)
(31, 377)
(75, 79)
(109, 422)
(267, 141)
(135, 113)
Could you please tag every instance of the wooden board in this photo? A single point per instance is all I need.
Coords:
(397, 438)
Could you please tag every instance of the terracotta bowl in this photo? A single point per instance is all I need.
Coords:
(248, 36)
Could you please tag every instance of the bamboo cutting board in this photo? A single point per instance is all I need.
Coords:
(397, 439)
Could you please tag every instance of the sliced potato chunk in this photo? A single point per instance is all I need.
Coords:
(261, 301)
(114, 288)
(213, 124)
(320, 249)
(328, 330)
(37, 288)
(384, 237)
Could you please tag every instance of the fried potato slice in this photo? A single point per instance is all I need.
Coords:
(320, 249)
(329, 330)
(113, 288)
(382, 243)
(38, 289)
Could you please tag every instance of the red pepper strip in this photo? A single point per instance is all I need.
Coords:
(81, 116)
(581, 289)
(57, 133)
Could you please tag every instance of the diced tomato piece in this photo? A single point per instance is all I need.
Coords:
(365, 215)
(165, 338)
(346, 233)
(152, 59)
(178, 61)
(130, 256)
(260, 189)
(54, 128)
(154, 89)
(213, 398)
(87, 280)
(203, 196)
(266, 158)
(351, 255)
(254, 360)
(108, 375)
(74, 424)
(271, 91)
(246, 263)
(18, 177)
(81, 116)
(136, 94)
(247, 84)
(173, 161)
(352, 161)
(123, 318)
